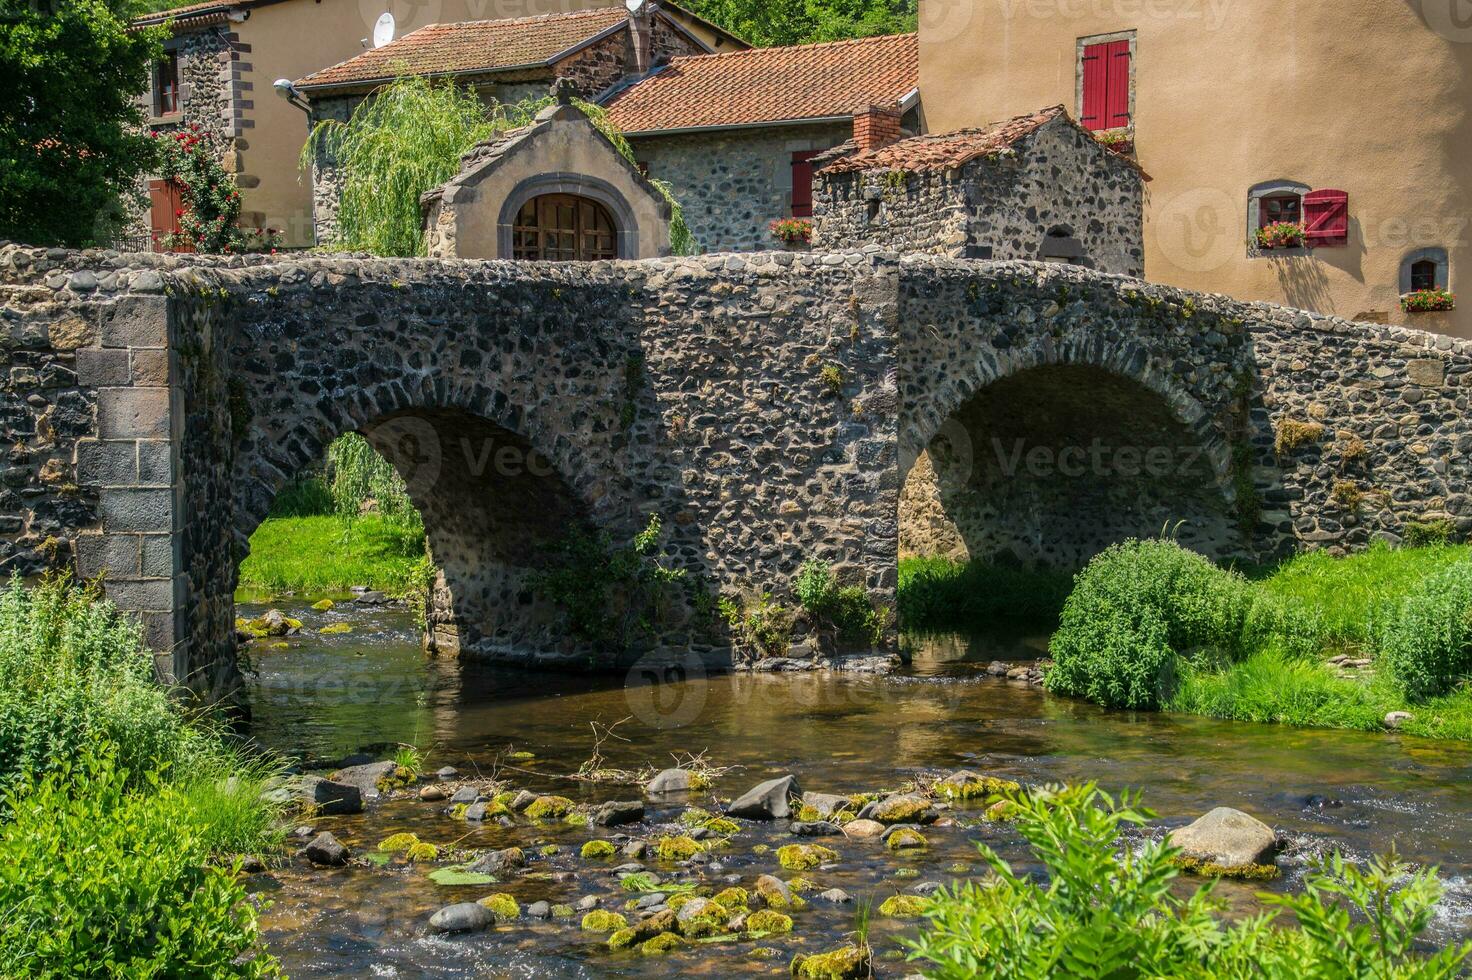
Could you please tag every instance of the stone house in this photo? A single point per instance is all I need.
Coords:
(735, 134)
(557, 189)
(503, 61)
(223, 58)
(1037, 187)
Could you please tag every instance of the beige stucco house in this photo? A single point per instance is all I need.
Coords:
(223, 58)
(1350, 116)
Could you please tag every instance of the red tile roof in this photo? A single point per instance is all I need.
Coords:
(473, 47)
(947, 151)
(765, 85)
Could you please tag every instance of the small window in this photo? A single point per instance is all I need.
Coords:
(166, 85)
(1280, 207)
(1425, 268)
(1106, 83)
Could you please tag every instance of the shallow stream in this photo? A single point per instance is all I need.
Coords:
(321, 698)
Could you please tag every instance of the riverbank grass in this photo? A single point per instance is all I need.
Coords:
(1153, 626)
(327, 553)
(944, 594)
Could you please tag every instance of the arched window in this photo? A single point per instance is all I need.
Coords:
(563, 228)
(1272, 202)
(1425, 268)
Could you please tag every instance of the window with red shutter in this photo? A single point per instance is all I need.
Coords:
(1326, 218)
(802, 183)
(1106, 85)
(166, 85)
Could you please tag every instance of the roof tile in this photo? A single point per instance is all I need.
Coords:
(472, 47)
(763, 85)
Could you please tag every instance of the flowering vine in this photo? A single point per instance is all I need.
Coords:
(208, 220)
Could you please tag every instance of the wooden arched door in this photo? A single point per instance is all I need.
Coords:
(563, 228)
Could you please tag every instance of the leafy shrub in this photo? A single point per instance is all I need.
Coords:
(610, 593)
(1427, 642)
(1423, 534)
(1133, 609)
(759, 622)
(942, 594)
(1111, 911)
(74, 673)
(98, 879)
(845, 609)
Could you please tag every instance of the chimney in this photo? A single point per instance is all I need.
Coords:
(641, 31)
(876, 126)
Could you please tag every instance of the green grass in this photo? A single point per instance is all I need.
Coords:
(329, 554)
(945, 594)
(1348, 598)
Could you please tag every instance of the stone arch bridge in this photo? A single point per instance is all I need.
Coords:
(769, 407)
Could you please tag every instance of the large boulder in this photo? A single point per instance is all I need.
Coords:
(615, 813)
(672, 781)
(462, 917)
(327, 850)
(771, 800)
(371, 779)
(497, 863)
(862, 829)
(1227, 838)
(827, 804)
(327, 797)
(901, 808)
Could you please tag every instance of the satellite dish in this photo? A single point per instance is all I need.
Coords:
(383, 30)
(633, 5)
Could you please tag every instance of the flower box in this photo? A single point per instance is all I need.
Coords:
(1429, 301)
(792, 232)
(1279, 235)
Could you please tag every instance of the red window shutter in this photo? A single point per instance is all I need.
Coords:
(1326, 218)
(802, 183)
(1096, 86)
(1117, 94)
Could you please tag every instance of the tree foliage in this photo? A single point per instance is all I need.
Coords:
(771, 22)
(71, 139)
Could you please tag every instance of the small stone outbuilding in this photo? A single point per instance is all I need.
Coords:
(1035, 187)
(555, 190)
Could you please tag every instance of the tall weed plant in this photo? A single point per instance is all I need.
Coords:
(1107, 907)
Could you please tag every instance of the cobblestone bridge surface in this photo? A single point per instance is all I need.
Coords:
(769, 408)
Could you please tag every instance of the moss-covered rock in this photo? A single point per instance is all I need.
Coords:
(597, 850)
(777, 894)
(395, 843)
(844, 963)
(768, 921)
(903, 906)
(733, 898)
(422, 851)
(322, 605)
(549, 850)
(802, 885)
(700, 917)
(549, 808)
(521, 756)
(968, 785)
(602, 920)
(1001, 811)
(335, 629)
(621, 939)
(906, 839)
(680, 848)
(502, 904)
(803, 857)
(901, 809)
(576, 819)
(906, 873)
(662, 943)
(561, 911)
(1242, 872)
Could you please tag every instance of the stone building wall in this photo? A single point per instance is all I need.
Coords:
(769, 408)
(999, 207)
(732, 184)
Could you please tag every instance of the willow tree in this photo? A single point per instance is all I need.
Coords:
(407, 138)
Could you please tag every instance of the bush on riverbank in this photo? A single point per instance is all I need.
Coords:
(1111, 911)
(1151, 625)
(1132, 610)
(945, 594)
(115, 806)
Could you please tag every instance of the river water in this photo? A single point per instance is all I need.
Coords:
(320, 698)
